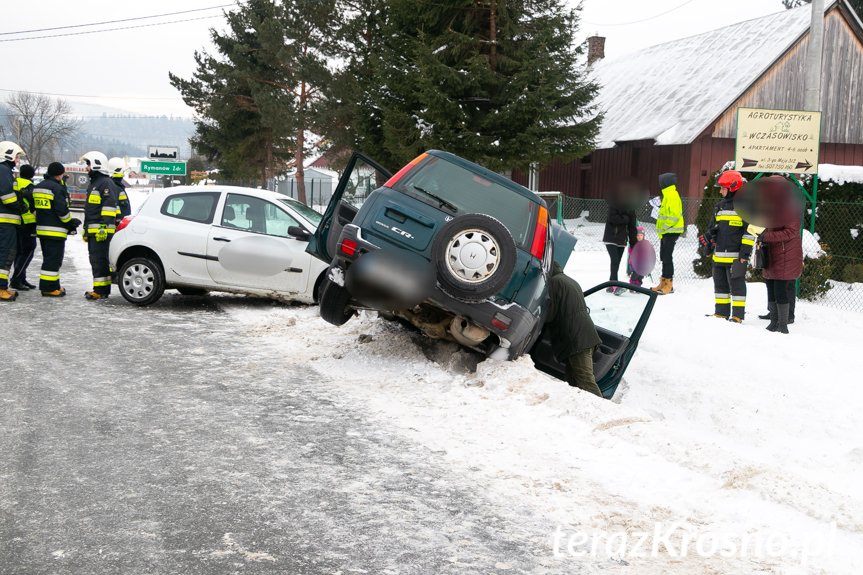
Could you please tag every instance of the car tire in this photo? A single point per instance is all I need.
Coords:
(141, 281)
(334, 303)
(192, 291)
(475, 237)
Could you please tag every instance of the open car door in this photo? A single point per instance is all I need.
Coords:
(361, 177)
(620, 320)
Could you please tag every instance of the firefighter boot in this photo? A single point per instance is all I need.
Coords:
(56, 293)
(782, 317)
(774, 316)
(91, 295)
(7, 295)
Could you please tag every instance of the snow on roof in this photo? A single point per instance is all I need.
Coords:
(841, 174)
(672, 92)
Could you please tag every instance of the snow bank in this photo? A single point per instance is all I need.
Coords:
(717, 428)
(841, 174)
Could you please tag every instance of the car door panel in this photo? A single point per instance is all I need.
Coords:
(360, 177)
(250, 247)
(258, 261)
(185, 247)
(619, 320)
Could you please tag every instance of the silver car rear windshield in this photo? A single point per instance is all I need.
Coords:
(470, 193)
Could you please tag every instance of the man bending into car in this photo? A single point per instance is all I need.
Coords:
(573, 335)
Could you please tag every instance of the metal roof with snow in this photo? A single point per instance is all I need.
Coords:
(672, 92)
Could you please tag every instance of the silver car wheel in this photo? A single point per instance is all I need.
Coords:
(138, 281)
(473, 256)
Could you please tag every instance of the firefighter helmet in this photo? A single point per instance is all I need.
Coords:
(97, 161)
(10, 151)
(731, 180)
(116, 167)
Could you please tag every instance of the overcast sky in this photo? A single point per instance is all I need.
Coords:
(128, 68)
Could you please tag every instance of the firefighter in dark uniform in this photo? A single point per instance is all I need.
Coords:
(53, 223)
(117, 166)
(10, 215)
(732, 244)
(100, 222)
(26, 231)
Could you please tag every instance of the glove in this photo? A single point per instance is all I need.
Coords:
(73, 224)
(102, 235)
(706, 243)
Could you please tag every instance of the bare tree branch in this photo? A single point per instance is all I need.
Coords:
(40, 124)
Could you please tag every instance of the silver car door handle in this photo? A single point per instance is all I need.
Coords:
(221, 239)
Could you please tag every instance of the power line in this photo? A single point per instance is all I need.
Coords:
(660, 15)
(96, 97)
(113, 21)
(109, 29)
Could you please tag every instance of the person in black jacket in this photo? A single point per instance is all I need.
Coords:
(573, 335)
(100, 222)
(26, 231)
(116, 166)
(732, 246)
(53, 223)
(620, 225)
(10, 215)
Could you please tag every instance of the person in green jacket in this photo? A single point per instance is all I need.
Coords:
(573, 335)
(669, 226)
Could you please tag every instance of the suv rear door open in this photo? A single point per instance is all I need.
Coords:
(362, 175)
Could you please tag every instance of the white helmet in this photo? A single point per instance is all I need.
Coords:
(116, 167)
(97, 161)
(10, 151)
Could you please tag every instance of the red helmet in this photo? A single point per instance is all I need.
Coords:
(731, 180)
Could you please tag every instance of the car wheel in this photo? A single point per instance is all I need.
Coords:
(192, 291)
(334, 303)
(141, 281)
(474, 256)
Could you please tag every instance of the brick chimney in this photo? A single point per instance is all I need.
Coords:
(595, 49)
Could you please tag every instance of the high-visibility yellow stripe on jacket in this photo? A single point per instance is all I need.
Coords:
(27, 217)
(670, 219)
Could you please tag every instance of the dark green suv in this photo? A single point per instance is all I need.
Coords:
(460, 252)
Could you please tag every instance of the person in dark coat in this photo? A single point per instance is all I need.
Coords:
(573, 335)
(784, 249)
(619, 230)
(26, 231)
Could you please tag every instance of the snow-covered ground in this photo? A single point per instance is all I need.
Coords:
(745, 443)
(728, 433)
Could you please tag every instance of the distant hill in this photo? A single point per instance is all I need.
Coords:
(117, 132)
(138, 132)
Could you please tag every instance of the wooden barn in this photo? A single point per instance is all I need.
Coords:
(673, 107)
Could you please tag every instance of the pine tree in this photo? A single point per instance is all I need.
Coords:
(353, 120)
(260, 97)
(496, 81)
(794, 3)
(230, 129)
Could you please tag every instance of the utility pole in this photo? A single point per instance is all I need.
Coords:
(812, 95)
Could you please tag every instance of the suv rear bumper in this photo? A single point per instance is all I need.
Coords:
(513, 325)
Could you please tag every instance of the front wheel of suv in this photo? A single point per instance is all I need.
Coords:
(474, 256)
(141, 281)
(333, 301)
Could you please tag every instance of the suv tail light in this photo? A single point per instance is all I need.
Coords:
(349, 247)
(537, 248)
(392, 181)
(124, 222)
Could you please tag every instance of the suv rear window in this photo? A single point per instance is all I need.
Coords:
(470, 193)
(195, 207)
